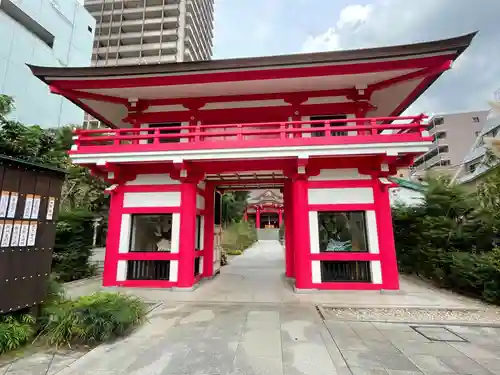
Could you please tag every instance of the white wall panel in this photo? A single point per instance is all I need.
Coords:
(340, 196)
(121, 270)
(339, 174)
(125, 229)
(153, 179)
(314, 232)
(155, 199)
(371, 227)
(316, 271)
(376, 270)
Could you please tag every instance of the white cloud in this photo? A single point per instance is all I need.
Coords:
(473, 78)
(353, 15)
(328, 41)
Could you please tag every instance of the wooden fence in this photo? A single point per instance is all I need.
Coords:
(29, 203)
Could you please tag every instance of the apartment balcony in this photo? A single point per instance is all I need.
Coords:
(363, 136)
(149, 24)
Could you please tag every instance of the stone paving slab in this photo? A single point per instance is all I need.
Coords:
(257, 339)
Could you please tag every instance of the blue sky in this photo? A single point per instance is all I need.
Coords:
(272, 27)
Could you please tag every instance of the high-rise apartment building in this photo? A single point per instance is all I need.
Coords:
(131, 32)
(56, 33)
(136, 32)
(454, 134)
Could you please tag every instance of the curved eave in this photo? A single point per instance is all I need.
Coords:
(458, 44)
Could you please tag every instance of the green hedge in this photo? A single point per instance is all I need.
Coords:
(451, 239)
(15, 331)
(238, 236)
(73, 245)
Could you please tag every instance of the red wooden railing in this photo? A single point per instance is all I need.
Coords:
(280, 133)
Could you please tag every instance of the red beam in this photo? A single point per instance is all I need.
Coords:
(245, 115)
(411, 76)
(287, 96)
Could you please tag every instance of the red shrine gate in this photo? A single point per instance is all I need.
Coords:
(325, 127)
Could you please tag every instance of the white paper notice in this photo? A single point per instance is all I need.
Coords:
(7, 231)
(36, 207)
(23, 237)
(32, 234)
(1, 228)
(4, 203)
(50, 208)
(16, 231)
(27, 206)
(11, 211)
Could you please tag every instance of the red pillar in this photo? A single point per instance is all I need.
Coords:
(280, 217)
(113, 238)
(208, 239)
(289, 253)
(257, 218)
(187, 236)
(387, 249)
(303, 272)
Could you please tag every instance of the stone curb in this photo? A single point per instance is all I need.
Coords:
(425, 322)
(409, 307)
(81, 281)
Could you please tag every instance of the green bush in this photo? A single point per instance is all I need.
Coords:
(91, 319)
(73, 246)
(15, 331)
(451, 239)
(234, 252)
(238, 236)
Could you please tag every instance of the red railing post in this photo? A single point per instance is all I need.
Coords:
(116, 140)
(328, 133)
(156, 136)
(373, 123)
(240, 134)
(282, 130)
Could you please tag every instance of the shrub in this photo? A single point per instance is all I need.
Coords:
(91, 319)
(73, 246)
(15, 331)
(234, 252)
(450, 239)
(238, 236)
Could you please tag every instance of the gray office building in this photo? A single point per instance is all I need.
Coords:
(56, 33)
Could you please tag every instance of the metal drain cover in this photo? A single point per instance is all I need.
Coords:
(438, 334)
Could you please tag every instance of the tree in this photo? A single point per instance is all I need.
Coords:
(81, 190)
(233, 206)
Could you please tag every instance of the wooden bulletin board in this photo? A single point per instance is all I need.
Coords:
(29, 206)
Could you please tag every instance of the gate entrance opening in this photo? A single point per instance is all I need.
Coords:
(325, 128)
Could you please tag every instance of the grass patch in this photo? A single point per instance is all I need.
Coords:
(15, 331)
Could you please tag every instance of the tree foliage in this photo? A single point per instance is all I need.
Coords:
(452, 238)
(50, 147)
(233, 206)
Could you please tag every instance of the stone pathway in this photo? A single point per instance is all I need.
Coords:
(248, 321)
(251, 339)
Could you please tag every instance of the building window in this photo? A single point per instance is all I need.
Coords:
(89, 28)
(443, 149)
(151, 233)
(475, 119)
(441, 135)
(342, 231)
(477, 133)
(445, 162)
(438, 121)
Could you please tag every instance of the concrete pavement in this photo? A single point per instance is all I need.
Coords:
(248, 321)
